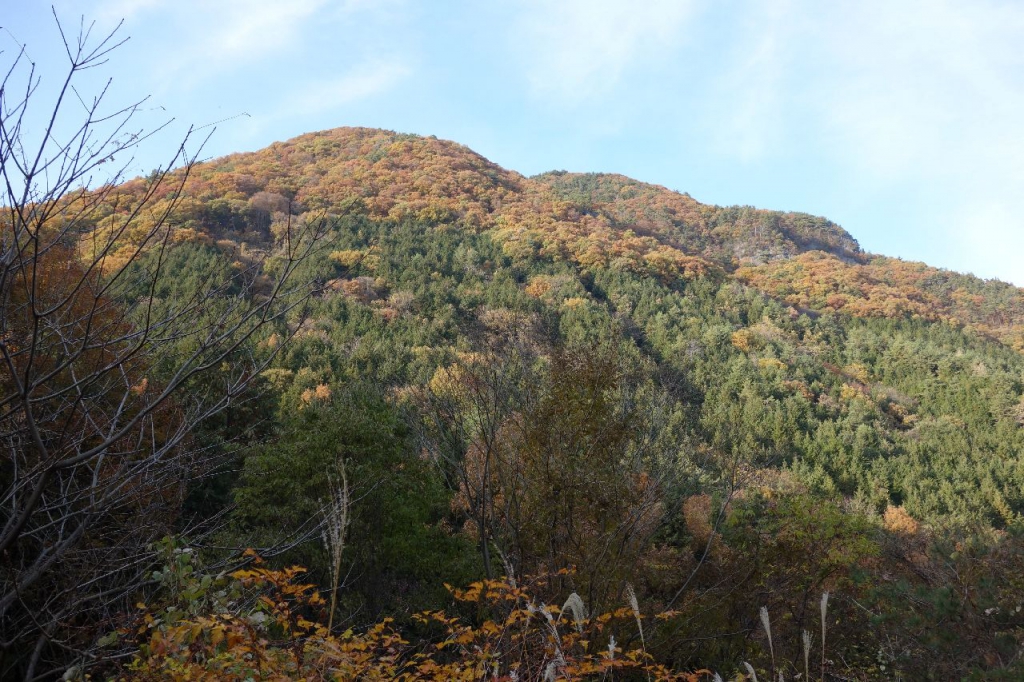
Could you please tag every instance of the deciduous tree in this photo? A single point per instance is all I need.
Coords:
(101, 381)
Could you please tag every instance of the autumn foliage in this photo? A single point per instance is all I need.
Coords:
(245, 202)
(892, 288)
(273, 629)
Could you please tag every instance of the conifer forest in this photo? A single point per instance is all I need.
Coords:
(365, 405)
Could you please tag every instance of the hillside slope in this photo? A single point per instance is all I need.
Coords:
(589, 219)
(789, 380)
(607, 381)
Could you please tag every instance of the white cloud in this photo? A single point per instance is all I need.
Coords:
(247, 28)
(116, 10)
(749, 103)
(199, 40)
(931, 95)
(921, 97)
(235, 33)
(364, 80)
(924, 85)
(575, 49)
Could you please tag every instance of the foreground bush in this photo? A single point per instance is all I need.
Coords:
(259, 623)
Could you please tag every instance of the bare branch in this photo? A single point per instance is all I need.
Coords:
(101, 384)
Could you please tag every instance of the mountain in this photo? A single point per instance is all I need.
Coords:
(820, 325)
(591, 220)
(819, 336)
(603, 380)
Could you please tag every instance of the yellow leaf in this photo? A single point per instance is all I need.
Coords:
(216, 636)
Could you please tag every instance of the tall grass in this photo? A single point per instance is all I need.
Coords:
(336, 515)
(806, 639)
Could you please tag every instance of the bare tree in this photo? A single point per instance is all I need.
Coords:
(101, 382)
(556, 453)
(465, 407)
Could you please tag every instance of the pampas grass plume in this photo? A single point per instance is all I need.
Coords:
(574, 604)
(767, 623)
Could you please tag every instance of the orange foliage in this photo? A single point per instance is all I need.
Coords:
(320, 394)
(281, 637)
(592, 220)
(892, 288)
(897, 520)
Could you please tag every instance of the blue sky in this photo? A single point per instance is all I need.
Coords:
(902, 121)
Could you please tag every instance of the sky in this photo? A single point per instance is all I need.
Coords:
(901, 120)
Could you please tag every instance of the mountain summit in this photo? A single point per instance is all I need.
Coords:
(590, 219)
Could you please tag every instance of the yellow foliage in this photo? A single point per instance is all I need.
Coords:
(515, 641)
(348, 258)
(770, 363)
(859, 372)
(745, 340)
(447, 381)
(897, 520)
(371, 262)
(538, 286)
(848, 392)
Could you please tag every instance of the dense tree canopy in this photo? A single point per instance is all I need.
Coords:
(644, 399)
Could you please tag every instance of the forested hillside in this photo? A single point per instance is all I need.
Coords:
(790, 340)
(590, 385)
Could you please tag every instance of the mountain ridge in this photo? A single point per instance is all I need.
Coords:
(700, 387)
(369, 156)
(591, 219)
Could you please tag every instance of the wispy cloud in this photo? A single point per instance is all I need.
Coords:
(932, 94)
(235, 34)
(574, 49)
(362, 81)
(919, 84)
(749, 98)
(116, 10)
(919, 102)
(247, 28)
(202, 40)
(923, 96)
